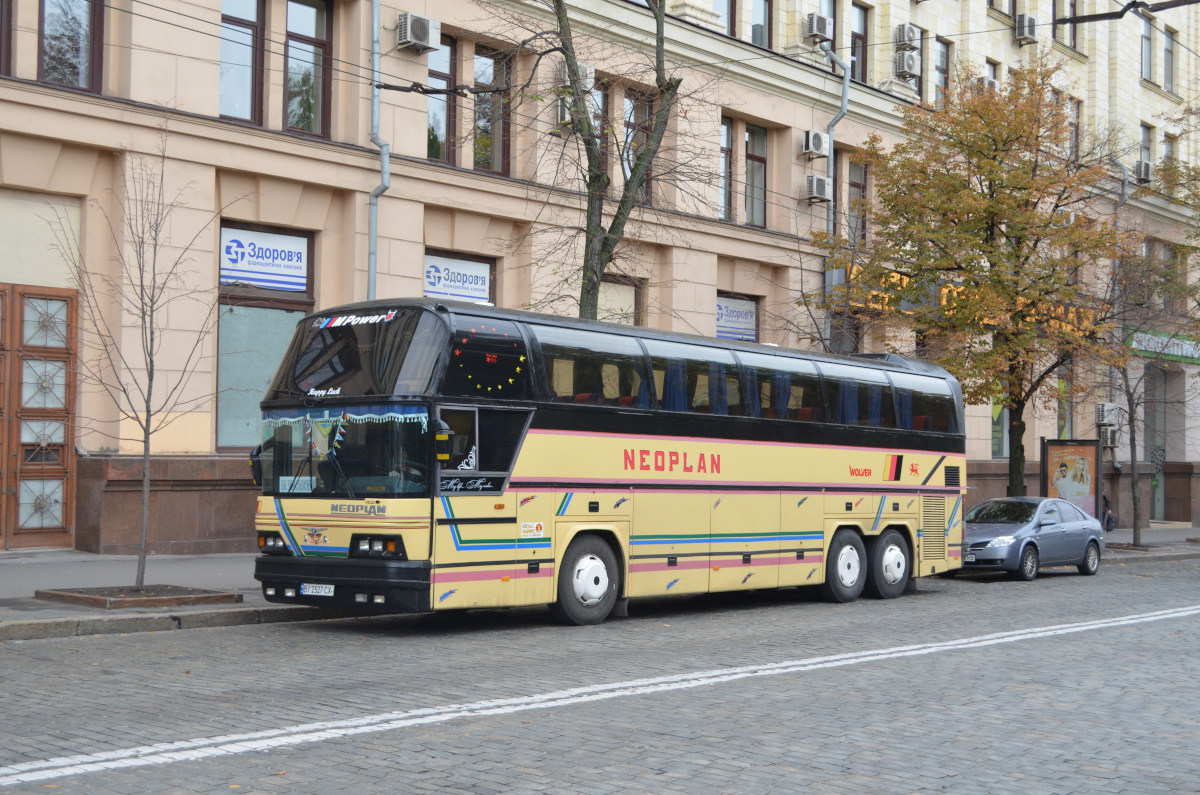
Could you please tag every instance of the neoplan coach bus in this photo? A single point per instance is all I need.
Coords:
(421, 455)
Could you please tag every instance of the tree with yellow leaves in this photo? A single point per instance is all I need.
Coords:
(989, 236)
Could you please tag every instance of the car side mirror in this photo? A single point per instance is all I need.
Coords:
(1046, 521)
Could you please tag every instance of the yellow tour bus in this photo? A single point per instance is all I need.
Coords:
(424, 455)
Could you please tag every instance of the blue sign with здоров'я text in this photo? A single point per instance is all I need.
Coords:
(264, 259)
(456, 278)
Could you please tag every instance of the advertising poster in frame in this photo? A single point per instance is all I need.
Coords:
(1071, 472)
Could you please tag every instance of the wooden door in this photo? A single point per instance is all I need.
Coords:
(37, 402)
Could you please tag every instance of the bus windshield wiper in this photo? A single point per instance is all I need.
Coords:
(338, 466)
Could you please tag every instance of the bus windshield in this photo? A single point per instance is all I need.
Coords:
(349, 451)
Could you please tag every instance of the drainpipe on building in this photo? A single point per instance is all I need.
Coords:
(827, 48)
(834, 279)
(385, 159)
(1117, 226)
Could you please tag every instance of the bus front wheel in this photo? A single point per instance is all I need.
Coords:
(845, 568)
(889, 566)
(588, 582)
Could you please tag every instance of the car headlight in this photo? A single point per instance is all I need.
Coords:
(1001, 541)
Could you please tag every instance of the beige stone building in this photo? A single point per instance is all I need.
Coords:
(262, 114)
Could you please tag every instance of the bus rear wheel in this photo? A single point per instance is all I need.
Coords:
(889, 565)
(588, 582)
(845, 568)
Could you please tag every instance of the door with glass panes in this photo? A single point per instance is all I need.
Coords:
(37, 396)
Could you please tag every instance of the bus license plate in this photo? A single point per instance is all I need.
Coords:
(316, 589)
(969, 559)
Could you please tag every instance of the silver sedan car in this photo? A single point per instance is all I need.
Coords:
(1021, 534)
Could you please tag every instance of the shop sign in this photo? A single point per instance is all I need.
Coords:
(264, 259)
(737, 319)
(457, 278)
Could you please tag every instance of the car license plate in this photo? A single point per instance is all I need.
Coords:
(969, 559)
(316, 589)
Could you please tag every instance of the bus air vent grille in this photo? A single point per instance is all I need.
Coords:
(933, 526)
(952, 477)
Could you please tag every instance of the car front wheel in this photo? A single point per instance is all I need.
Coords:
(1029, 564)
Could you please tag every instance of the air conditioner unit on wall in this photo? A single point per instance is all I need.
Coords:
(1143, 171)
(816, 143)
(819, 189)
(1108, 437)
(418, 32)
(818, 28)
(1026, 30)
(908, 64)
(1107, 413)
(908, 37)
(587, 76)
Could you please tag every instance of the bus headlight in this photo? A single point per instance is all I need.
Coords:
(375, 546)
(272, 544)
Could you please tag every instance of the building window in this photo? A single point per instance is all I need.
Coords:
(260, 305)
(1064, 33)
(1147, 53)
(992, 70)
(941, 71)
(308, 59)
(71, 34)
(1170, 148)
(1147, 143)
(760, 22)
(828, 8)
(1074, 113)
(726, 15)
(858, 43)
(241, 60)
(639, 118)
(1009, 8)
(756, 176)
(725, 176)
(1169, 60)
(440, 107)
(491, 120)
(620, 299)
(856, 194)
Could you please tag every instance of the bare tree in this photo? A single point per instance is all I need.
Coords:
(124, 305)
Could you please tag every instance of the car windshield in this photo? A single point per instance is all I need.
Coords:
(1002, 512)
(346, 451)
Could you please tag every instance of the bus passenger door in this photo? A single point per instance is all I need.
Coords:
(474, 551)
(745, 540)
(669, 546)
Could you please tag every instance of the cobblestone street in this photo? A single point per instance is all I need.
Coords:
(974, 684)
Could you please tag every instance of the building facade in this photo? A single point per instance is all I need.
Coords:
(260, 117)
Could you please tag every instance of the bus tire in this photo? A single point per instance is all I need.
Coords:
(846, 568)
(889, 565)
(588, 582)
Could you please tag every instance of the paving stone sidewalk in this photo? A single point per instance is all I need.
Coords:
(22, 573)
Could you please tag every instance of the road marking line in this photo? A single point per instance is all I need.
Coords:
(202, 748)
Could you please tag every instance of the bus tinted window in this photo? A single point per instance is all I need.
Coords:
(859, 396)
(383, 353)
(586, 367)
(782, 388)
(924, 404)
(488, 359)
(693, 378)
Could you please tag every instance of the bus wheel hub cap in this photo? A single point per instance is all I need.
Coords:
(848, 566)
(893, 564)
(590, 580)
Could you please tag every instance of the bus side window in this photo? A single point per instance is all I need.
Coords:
(586, 367)
(464, 454)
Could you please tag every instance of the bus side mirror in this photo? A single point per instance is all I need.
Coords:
(256, 465)
(443, 442)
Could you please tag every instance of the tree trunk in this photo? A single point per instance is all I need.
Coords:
(1135, 481)
(1016, 450)
(141, 567)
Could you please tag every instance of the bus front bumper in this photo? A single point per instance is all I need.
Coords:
(351, 585)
